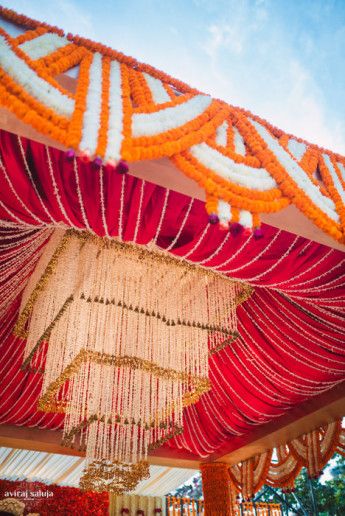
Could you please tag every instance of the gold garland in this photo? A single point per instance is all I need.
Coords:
(68, 439)
(48, 404)
(115, 477)
(168, 322)
(19, 328)
(140, 252)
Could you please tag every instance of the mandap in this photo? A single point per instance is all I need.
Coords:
(172, 277)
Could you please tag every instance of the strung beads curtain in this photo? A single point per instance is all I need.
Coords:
(128, 329)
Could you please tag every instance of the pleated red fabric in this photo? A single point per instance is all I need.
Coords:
(292, 329)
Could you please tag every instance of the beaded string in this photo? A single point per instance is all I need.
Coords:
(17, 219)
(276, 262)
(217, 251)
(142, 187)
(259, 255)
(178, 234)
(55, 187)
(263, 367)
(80, 197)
(101, 187)
(282, 347)
(122, 199)
(293, 316)
(165, 205)
(197, 243)
(27, 168)
(9, 182)
(265, 314)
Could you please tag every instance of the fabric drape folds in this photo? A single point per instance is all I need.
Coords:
(292, 329)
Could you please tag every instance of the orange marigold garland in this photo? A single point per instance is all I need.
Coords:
(103, 129)
(163, 117)
(76, 124)
(312, 450)
(216, 489)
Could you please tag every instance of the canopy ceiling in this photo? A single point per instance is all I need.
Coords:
(291, 344)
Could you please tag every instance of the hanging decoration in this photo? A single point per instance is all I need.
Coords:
(312, 450)
(129, 329)
(124, 111)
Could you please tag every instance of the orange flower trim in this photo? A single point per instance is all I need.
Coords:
(331, 187)
(312, 450)
(140, 141)
(39, 117)
(238, 196)
(76, 124)
(144, 98)
(102, 137)
(216, 489)
(62, 59)
(289, 187)
(138, 96)
(29, 35)
(168, 143)
(25, 21)
(34, 65)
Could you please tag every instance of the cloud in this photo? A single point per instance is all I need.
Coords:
(254, 63)
(302, 109)
(71, 16)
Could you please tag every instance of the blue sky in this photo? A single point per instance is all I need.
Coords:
(282, 59)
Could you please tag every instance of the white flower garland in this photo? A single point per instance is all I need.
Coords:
(239, 173)
(115, 129)
(224, 212)
(32, 83)
(296, 173)
(222, 134)
(239, 145)
(92, 114)
(342, 170)
(334, 175)
(43, 45)
(296, 148)
(151, 124)
(158, 92)
(246, 219)
(225, 215)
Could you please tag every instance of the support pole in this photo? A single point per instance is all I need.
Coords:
(217, 489)
(312, 496)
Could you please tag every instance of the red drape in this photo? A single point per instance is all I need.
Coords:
(291, 344)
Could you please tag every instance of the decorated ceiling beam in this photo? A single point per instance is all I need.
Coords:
(123, 111)
(318, 411)
(164, 173)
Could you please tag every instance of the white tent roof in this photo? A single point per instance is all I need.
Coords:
(65, 470)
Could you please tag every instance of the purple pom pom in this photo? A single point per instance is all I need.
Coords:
(213, 218)
(97, 162)
(236, 228)
(70, 155)
(258, 233)
(122, 167)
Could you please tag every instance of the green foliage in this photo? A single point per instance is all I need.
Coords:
(329, 495)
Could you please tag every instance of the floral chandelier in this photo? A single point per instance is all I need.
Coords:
(122, 333)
